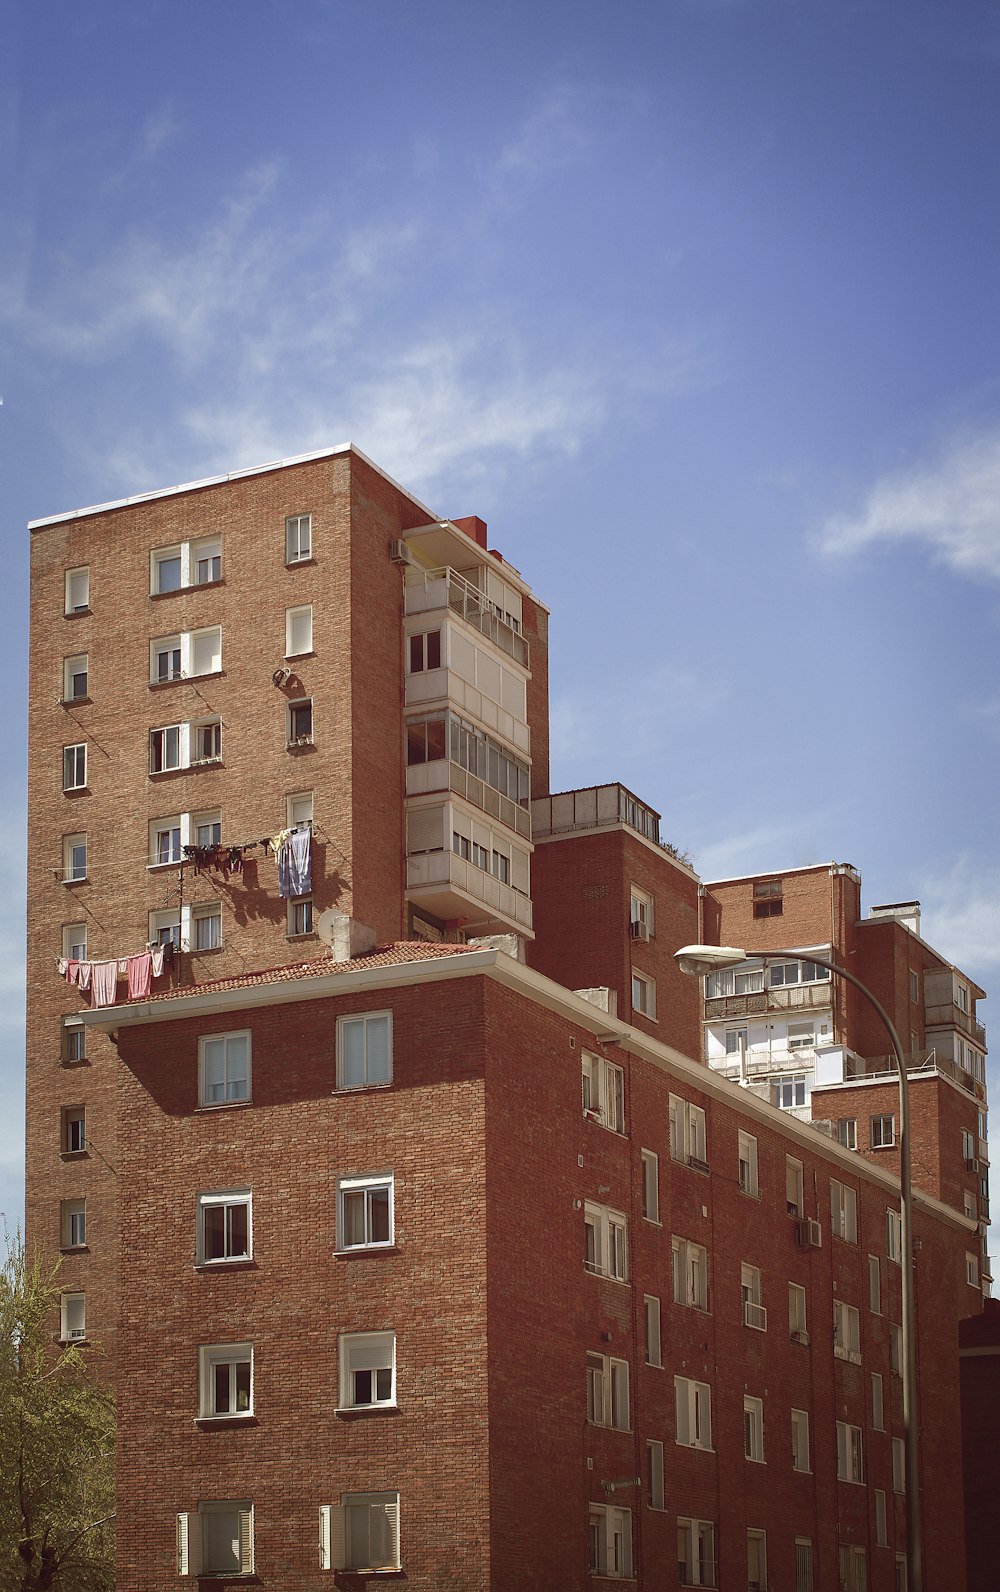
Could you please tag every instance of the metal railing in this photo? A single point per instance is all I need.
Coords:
(446, 588)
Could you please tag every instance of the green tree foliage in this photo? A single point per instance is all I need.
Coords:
(57, 1481)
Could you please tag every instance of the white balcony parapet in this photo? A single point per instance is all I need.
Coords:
(444, 869)
(428, 590)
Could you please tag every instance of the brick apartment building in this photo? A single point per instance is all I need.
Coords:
(418, 1236)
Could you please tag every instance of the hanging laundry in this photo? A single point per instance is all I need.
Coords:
(156, 960)
(295, 864)
(140, 975)
(82, 974)
(104, 981)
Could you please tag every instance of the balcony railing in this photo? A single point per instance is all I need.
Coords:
(592, 808)
(786, 998)
(431, 589)
(438, 871)
(948, 1014)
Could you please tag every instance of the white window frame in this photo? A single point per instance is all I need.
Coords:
(299, 810)
(74, 942)
(651, 1187)
(298, 538)
(73, 1130)
(366, 1021)
(177, 826)
(898, 1465)
(301, 921)
(803, 1564)
(882, 1137)
(878, 1402)
(189, 556)
(749, 1179)
(654, 1474)
(847, 1132)
(644, 995)
(73, 1224)
(797, 1323)
(72, 1317)
(77, 590)
(608, 1400)
(754, 1313)
(605, 1242)
(895, 1348)
(295, 718)
(651, 1315)
(367, 1353)
(642, 916)
(843, 1211)
(210, 1358)
(794, 1187)
(610, 1537)
(186, 644)
(689, 1263)
(158, 559)
(850, 1453)
(299, 631)
(753, 1429)
(338, 1526)
(75, 866)
(893, 1235)
(365, 1186)
(790, 1093)
(972, 1269)
(192, 1559)
(75, 760)
(226, 1200)
(692, 1413)
(688, 1138)
(696, 1551)
(801, 1459)
(846, 1331)
(603, 1085)
(206, 912)
(756, 1551)
(874, 1285)
(76, 668)
(236, 1091)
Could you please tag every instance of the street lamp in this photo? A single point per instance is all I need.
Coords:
(700, 959)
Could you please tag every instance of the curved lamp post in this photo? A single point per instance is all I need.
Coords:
(700, 959)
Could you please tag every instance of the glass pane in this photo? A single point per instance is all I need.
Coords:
(354, 1219)
(169, 574)
(352, 1057)
(379, 1215)
(238, 1225)
(242, 1370)
(215, 1232)
(377, 1037)
(435, 739)
(221, 1400)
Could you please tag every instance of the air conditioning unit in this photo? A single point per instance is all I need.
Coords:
(593, 1113)
(400, 553)
(697, 1163)
(971, 1165)
(800, 1337)
(755, 1315)
(808, 1234)
(640, 930)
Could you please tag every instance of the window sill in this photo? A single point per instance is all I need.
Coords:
(222, 1105)
(365, 1249)
(875, 1148)
(82, 880)
(304, 743)
(75, 702)
(185, 679)
(238, 1418)
(297, 563)
(157, 867)
(207, 950)
(293, 657)
(751, 1193)
(76, 790)
(605, 1276)
(352, 1411)
(74, 1155)
(74, 1249)
(236, 1264)
(361, 1088)
(181, 591)
(72, 1343)
(310, 934)
(78, 613)
(389, 1570)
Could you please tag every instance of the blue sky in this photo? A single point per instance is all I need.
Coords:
(695, 302)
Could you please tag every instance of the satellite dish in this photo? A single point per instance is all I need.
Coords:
(328, 923)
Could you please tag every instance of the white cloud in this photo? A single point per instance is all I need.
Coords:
(952, 507)
(961, 915)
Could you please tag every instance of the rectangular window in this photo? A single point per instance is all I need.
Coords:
(794, 1198)
(853, 1569)
(767, 901)
(72, 1317)
(300, 722)
(748, 1164)
(367, 1370)
(223, 1068)
(298, 631)
(207, 922)
(790, 1093)
(803, 1565)
(165, 749)
(165, 841)
(205, 740)
(874, 1285)
(300, 916)
(687, 1133)
(604, 1092)
(797, 1313)
(801, 1036)
(607, 1392)
(75, 766)
(898, 1465)
(881, 1525)
(734, 981)
(74, 1042)
(654, 1471)
(690, 1273)
(894, 1235)
(650, 1186)
(206, 828)
(846, 1332)
(843, 1211)
(895, 1348)
(206, 561)
(365, 1211)
(972, 1270)
(753, 1429)
(73, 1224)
(425, 652)
(500, 866)
(641, 914)
(850, 1453)
(736, 1040)
(165, 660)
(298, 538)
(73, 1135)
(878, 1404)
(756, 1561)
(185, 656)
(225, 1228)
(225, 1380)
(364, 1050)
(643, 995)
(217, 1540)
(610, 1536)
(800, 1439)
(605, 1247)
(299, 810)
(695, 1552)
(693, 1410)
(914, 987)
(75, 676)
(901, 1572)
(78, 590)
(166, 562)
(847, 1132)
(74, 942)
(651, 1306)
(883, 1132)
(754, 1314)
(165, 927)
(74, 858)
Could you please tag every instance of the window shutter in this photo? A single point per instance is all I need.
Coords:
(337, 1516)
(681, 1399)
(384, 1534)
(189, 1544)
(246, 1542)
(324, 1536)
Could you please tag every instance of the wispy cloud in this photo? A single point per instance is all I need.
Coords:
(554, 133)
(952, 507)
(961, 915)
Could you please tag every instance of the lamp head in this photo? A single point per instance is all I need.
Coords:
(698, 959)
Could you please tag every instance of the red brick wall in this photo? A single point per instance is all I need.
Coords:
(980, 1372)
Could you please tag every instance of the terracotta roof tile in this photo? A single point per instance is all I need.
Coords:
(319, 967)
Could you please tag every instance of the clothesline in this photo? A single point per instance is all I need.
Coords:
(101, 975)
(292, 847)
